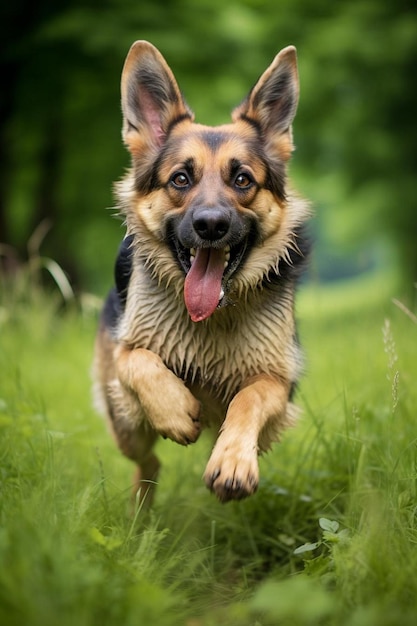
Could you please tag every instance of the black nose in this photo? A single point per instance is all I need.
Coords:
(211, 224)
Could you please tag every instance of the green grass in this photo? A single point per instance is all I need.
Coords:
(330, 537)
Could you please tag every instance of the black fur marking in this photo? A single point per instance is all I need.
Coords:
(112, 310)
(123, 268)
(177, 120)
(254, 123)
(189, 167)
(214, 139)
(151, 182)
(276, 178)
(116, 300)
(291, 269)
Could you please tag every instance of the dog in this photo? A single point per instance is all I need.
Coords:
(199, 329)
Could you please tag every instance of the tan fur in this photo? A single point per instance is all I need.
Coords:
(159, 373)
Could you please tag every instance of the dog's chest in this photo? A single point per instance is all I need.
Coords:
(220, 353)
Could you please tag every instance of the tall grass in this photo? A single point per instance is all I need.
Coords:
(330, 537)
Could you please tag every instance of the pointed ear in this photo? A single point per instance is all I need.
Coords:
(272, 103)
(151, 99)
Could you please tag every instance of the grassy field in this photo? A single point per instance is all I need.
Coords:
(329, 538)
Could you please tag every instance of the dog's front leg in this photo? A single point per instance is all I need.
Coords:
(169, 406)
(232, 472)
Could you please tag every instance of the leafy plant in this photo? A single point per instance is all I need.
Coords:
(332, 535)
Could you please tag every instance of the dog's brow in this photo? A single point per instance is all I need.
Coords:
(235, 165)
(189, 165)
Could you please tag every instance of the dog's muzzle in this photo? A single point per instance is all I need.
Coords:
(210, 245)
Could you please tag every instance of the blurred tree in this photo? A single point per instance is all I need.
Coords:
(358, 119)
(14, 32)
(60, 120)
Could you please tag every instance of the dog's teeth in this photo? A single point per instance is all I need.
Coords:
(221, 294)
(226, 256)
(192, 258)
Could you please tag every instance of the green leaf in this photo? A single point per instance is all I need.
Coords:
(307, 547)
(330, 525)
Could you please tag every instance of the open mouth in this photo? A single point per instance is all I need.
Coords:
(208, 271)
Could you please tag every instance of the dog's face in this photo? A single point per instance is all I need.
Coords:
(210, 200)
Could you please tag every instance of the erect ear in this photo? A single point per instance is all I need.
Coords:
(272, 103)
(151, 99)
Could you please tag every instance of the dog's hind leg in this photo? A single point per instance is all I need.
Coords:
(133, 434)
(136, 440)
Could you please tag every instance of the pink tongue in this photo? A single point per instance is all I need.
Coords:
(203, 283)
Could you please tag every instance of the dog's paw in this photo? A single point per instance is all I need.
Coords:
(165, 401)
(177, 416)
(231, 473)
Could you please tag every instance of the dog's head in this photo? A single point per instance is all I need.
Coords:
(211, 199)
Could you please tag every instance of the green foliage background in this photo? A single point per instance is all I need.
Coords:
(355, 133)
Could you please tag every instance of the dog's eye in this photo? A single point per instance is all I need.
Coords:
(243, 181)
(180, 180)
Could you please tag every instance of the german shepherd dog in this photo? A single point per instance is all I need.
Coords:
(199, 329)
